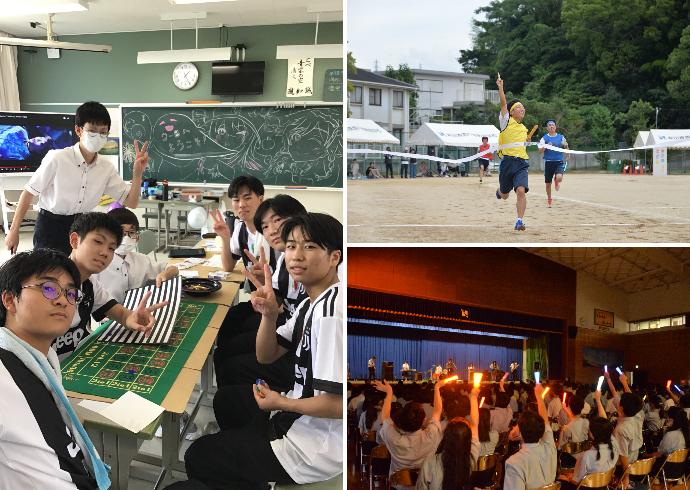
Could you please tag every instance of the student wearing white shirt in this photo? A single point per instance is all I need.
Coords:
(577, 430)
(628, 431)
(130, 269)
(502, 415)
(41, 446)
(72, 181)
(601, 457)
(677, 437)
(295, 438)
(652, 421)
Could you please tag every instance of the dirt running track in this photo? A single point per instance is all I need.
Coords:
(590, 208)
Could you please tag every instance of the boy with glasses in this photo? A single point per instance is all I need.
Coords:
(94, 238)
(130, 269)
(42, 442)
(71, 181)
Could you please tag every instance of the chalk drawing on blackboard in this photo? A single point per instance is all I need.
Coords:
(304, 145)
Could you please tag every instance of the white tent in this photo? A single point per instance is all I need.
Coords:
(659, 136)
(367, 131)
(642, 138)
(433, 134)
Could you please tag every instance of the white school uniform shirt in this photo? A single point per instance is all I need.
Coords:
(501, 418)
(588, 463)
(409, 449)
(669, 403)
(653, 420)
(628, 434)
(488, 447)
(310, 449)
(355, 401)
(68, 185)
(673, 441)
(554, 410)
(431, 473)
(130, 272)
(534, 466)
(576, 431)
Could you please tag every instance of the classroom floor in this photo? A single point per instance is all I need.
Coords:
(593, 208)
(153, 446)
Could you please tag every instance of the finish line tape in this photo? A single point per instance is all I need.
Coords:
(494, 148)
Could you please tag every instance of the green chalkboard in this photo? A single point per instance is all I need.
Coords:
(333, 87)
(194, 144)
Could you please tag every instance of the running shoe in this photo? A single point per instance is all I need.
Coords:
(498, 195)
(480, 181)
(519, 225)
(558, 187)
(548, 204)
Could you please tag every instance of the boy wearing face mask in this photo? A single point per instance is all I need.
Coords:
(71, 181)
(130, 269)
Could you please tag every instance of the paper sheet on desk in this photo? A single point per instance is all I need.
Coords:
(189, 273)
(93, 405)
(214, 261)
(132, 412)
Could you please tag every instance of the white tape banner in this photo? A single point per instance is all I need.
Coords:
(494, 148)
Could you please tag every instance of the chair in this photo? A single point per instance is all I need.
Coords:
(657, 436)
(147, 243)
(677, 457)
(573, 448)
(641, 467)
(485, 463)
(368, 445)
(379, 465)
(596, 480)
(404, 477)
(553, 486)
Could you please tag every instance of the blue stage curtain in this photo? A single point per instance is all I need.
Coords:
(423, 348)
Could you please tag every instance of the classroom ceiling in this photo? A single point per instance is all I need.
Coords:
(106, 16)
(628, 269)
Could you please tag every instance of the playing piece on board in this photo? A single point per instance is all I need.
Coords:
(165, 317)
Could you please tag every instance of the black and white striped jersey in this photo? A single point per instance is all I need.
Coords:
(285, 287)
(37, 450)
(311, 448)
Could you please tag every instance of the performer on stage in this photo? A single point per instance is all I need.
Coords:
(513, 370)
(406, 366)
(470, 372)
(450, 366)
(372, 368)
(494, 370)
(439, 370)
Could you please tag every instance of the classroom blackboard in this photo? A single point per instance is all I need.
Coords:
(300, 146)
(333, 87)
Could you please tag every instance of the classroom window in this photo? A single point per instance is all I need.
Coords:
(397, 98)
(357, 95)
(474, 91)
(374, 96)
(677, 321)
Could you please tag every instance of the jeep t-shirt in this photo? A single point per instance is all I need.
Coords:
(96, 302)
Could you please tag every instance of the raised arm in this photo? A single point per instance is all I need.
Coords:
(624, 381)
(600, 407)
(500, 385)
(538, 390)
(438, 402)
(221, 229)
(388, 390)
(502, 96)
(474, 412)
(675, 399)
(264, 301)
(610, 383)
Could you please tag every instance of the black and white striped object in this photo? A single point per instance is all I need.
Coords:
(165, 317)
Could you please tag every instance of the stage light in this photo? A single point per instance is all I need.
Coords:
(477, 379)
(482, 402)
(601, 382)
(619, 370)
(536, 376)
(543, 395)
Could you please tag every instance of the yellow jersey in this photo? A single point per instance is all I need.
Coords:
(513, 133)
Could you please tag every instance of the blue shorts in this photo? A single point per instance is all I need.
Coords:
(513, 173)
(552, 168)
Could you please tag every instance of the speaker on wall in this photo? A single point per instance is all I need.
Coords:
(387, 371)
(572, 332)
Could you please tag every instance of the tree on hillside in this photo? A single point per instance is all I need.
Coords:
(679, 67)
(404, 74)
(350, 89)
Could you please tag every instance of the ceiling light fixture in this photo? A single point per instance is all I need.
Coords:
(310, 50)
(50, 43)
(184, 55)
(33, 7)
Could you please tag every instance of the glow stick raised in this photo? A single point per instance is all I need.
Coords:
(451, 378)
(505, 375)
(619, 370)
(606, 368)
(544, 394)
(477, 379)
(679, 390)
(668, 384)
(536, 376)
(601, 382)
(564, 395)
(482, 402)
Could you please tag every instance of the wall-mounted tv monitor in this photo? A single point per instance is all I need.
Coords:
(26, 137)
(239, 78)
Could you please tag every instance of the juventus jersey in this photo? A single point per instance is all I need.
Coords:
(311, 448)
(37, 450)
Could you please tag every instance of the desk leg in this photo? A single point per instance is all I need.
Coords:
(170, 445)
(167, 228)
(110, 457)
(158, 231)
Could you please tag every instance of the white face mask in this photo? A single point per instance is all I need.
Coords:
(128, 244)
(93, 142)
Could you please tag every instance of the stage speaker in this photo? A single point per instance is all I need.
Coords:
(418, 376)
(572, 332)
(486, 376)
(537, 366)
(387, 371)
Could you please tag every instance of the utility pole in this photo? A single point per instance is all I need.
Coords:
(376, 65)
(656, 123)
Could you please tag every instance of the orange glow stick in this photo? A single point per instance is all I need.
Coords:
(668, 385)
(451, 378)
(564, 395)
(482, 402)
(477, 379)
(543, 395)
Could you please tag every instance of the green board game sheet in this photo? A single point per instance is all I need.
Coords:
(109, 370)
